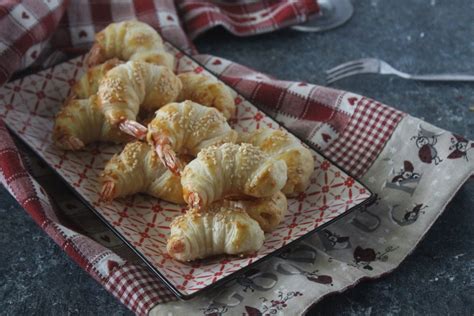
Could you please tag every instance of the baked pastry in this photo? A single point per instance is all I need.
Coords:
(81, 122)
(219, 230)
(134, 86)
(89, 82)
(281, 145)
(137, 169)
(187, 128)
(268, 212)
(207, 91)
(231, 170)
(129, 40)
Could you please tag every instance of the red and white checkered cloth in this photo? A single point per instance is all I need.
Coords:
(40, 33)
(349, 129)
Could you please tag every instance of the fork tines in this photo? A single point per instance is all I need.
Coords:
(348, 69)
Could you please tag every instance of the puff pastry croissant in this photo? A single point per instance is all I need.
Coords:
(81, 122)
(129, 40)
(218, 230)
(231, 170)
(281, 145)
(89, 82)
(207, 91)
(187, 128)
(134, 86)
(137, 169)
(268, 212)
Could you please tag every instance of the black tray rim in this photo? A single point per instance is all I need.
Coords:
(241, 271)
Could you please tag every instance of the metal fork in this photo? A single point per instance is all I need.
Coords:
(377, 66)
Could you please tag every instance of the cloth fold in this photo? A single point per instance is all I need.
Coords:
(40, 34)
(401, 158)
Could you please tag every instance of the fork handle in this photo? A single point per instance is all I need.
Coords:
(443, 77)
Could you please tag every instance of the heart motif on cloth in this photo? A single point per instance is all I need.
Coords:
(25, 16)
(111, 264)
(302, 84)
(82, 34)
(352, 100)
(216, 62)
(326, 137)
(34, 54)
(170, 18)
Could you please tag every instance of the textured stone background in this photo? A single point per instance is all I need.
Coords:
(415, 36)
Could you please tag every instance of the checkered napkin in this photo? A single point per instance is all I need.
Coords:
(399, 157)
(41, 33)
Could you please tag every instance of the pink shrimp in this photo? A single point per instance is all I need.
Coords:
(166, 154)
(133, 128)
(108, 190)
(95, 56)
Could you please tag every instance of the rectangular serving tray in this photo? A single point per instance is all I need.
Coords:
(28, 106)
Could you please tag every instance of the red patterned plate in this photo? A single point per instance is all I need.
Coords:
(28, 107)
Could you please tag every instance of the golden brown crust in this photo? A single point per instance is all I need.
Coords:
(190, 127)
(268, 212)
(80, 122)
(88, 84)
(129, 40)
(217, 230)
(137, 169)
(230, 170)
(281, 145)
(135, 86)
(207, 91)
